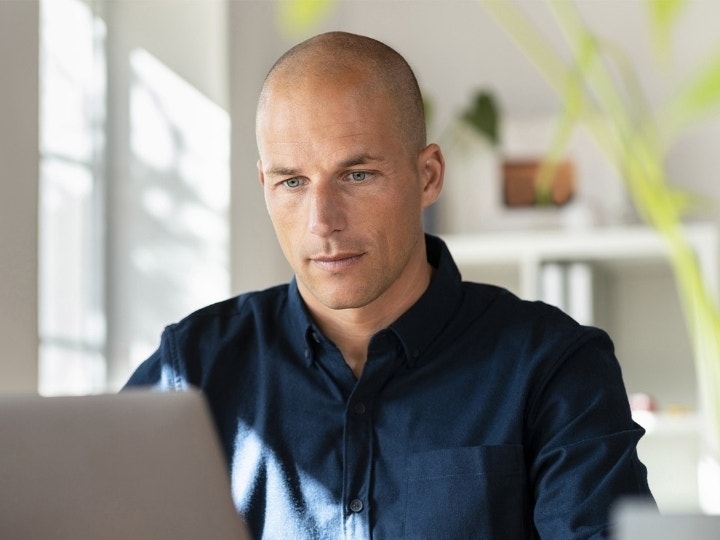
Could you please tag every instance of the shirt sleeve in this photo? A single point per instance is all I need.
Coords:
(582, 442)
(161, 370)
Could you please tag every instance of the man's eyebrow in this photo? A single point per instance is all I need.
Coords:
(359, 159)
(281, 171)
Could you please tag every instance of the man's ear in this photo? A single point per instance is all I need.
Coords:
(431, 166)
(261, 176)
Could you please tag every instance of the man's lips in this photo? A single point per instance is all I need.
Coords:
(336, 262)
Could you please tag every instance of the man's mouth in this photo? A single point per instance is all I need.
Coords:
(336, 262)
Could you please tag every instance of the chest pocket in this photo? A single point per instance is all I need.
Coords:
(473, 492)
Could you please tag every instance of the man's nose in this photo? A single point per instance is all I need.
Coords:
(327, 213)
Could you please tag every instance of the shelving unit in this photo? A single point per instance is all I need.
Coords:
(523, 254)
(618, 279)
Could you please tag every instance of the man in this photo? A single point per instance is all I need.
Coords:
(376, 395)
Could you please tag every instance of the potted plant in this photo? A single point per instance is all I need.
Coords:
(527, 182)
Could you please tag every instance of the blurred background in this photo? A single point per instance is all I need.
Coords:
(129, 194)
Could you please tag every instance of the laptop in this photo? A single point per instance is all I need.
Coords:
(139, 464)
(637, 520)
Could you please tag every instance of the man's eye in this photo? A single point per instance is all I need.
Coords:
(292, 182)
(358, 176)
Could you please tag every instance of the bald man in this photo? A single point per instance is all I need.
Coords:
(377, 395)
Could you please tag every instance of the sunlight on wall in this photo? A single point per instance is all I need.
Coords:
(104, 296)
(179, 234)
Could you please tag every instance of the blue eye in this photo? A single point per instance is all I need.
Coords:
(292, 182)
(358, 176)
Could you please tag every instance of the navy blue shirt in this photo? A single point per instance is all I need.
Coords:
(477, 415)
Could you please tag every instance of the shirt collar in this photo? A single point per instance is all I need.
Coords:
(418, 326)
(301, 321)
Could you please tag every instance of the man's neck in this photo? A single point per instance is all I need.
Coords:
(351, 333)
(352, 329)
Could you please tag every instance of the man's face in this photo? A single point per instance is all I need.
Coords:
(344, 195)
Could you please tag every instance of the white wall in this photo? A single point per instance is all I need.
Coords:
(254, 44)
(19, 49)
(168, 170)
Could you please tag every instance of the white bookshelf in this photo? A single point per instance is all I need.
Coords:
(618, 279)
(523, 253)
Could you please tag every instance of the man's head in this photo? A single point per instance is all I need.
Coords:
(338, 53)
(346, 171)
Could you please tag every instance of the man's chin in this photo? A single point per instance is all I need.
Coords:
(336, 300)
(339, 304)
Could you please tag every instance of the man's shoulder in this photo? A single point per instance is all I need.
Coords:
(530, 333)
(503, 301)
(253, 304)
(524, 317)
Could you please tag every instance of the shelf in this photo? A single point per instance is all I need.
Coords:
(613, 248)
(619, 243)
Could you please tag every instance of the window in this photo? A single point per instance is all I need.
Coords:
(129, 244)
(72, 97)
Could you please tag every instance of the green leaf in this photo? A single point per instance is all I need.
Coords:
(663, 14)
(701, 96)
(531, 40)
(483, 116)
(298, 17)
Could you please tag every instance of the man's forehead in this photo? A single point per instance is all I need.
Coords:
(314, 88)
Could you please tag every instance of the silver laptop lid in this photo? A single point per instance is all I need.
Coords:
(637, 520)
(139, 464)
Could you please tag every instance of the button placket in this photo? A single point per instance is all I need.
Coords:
(359, 408)
(358, 461)
(359, 435)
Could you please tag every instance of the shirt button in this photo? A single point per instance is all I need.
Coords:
(356, 505)
(359, 408)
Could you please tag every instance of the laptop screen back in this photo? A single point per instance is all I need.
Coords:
(635, 520)
(138, 464)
